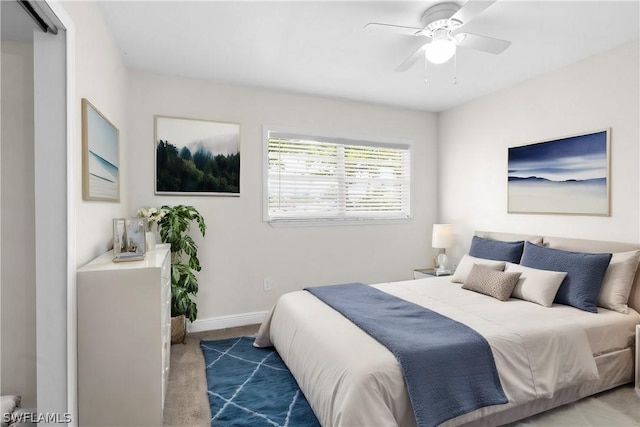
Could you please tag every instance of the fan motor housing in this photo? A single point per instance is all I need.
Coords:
(438, 17)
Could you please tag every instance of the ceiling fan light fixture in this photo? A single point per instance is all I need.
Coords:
(441, 49)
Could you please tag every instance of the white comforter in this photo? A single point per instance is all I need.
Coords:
(350, 379)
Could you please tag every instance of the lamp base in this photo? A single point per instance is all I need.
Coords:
(441, 272)
(442, 261)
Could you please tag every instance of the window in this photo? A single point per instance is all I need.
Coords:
(312, 178)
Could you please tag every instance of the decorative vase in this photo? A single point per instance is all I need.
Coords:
(150, 238)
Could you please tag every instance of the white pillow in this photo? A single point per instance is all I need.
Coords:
(8, 404)
(618, 280)
(466, 264)
(535, 285)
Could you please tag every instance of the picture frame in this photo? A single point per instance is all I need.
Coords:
(569, 175)
(129, 243)
(100, 156)
(196, 157)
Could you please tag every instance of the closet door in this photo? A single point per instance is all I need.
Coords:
(35, 358)
(50, 160)
(17, 206)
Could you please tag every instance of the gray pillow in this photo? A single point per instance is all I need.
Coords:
(485, 280)
(496, 250)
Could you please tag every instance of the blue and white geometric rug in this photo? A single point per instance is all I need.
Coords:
(250, 386)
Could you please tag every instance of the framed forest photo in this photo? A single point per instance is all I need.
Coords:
(196, 157)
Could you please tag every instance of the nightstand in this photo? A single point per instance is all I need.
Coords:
(425, 273)
(638, 360)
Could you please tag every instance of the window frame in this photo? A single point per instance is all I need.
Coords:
(340, 138)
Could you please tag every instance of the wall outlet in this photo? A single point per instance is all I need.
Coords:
(266, 284)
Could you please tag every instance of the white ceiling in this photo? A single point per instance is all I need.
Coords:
(319, 47)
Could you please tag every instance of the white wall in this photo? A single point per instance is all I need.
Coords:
(598, 92)
(18, 238)
(99, 75)
(101, 78)
(240, 249)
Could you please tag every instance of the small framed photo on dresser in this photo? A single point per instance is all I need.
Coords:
(129, 242)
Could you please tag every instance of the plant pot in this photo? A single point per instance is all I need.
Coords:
(178, 329)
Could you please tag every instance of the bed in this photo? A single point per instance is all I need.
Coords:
(545, 356)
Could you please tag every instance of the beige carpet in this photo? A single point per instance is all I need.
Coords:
(187, 404)
(588, 412)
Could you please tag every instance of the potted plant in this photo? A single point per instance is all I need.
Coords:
(174, 229)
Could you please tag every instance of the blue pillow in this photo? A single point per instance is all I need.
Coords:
(585, 272)
(496, 250)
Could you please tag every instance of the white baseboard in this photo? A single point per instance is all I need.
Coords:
(222, 322)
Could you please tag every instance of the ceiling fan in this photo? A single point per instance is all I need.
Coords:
(442, 24)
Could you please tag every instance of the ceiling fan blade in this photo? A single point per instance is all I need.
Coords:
(400, 29)
(415, 56)
(471, 9)
(483, 43)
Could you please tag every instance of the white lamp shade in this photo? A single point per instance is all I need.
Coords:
(442, 236)
(441, 49)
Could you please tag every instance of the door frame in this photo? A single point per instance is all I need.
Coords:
(72, 114)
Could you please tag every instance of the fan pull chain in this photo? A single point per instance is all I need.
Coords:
(426, 61)
(455, 68)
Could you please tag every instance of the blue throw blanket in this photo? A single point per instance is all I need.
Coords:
(447, 366)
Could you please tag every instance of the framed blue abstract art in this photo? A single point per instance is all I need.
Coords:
(563, 176)
(100, 156)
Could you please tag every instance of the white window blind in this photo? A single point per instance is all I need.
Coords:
(315, 178)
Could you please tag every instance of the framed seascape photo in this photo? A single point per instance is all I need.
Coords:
(100, 158)
(196, 157)
(563, 176)
(129, 239)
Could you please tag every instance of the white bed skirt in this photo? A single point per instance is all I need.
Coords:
(615, 369)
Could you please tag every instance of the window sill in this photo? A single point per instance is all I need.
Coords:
(334, 222)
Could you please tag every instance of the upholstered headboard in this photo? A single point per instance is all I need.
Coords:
(577, 245)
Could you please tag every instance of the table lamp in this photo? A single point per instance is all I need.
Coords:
(442, 238)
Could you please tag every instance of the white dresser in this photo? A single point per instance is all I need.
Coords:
(124, 339)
